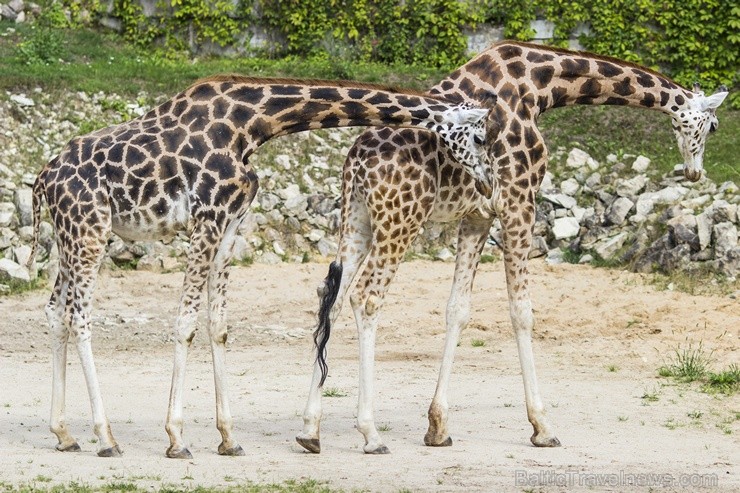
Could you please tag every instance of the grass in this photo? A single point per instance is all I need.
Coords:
(477, 343)
(304, 486)
(12, 287)
(694, 283)
(100, 61)
(687, 364)
(333, 392)
(692, 365)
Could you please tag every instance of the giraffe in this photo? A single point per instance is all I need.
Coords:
(184, 166)
(396, 180)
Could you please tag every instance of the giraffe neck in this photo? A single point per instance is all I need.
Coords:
(260, 109)
(544, 78)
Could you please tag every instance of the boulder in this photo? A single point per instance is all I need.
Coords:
(12, 271)
(565, 227)
(617, 212)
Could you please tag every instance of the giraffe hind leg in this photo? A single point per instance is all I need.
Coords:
(354, 245)
(59, 332)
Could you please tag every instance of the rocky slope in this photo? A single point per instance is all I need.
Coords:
(616, 211)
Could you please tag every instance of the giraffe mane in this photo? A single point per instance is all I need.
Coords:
(245, 79)
(586, 54)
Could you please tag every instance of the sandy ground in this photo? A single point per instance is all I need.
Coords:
(587, 321)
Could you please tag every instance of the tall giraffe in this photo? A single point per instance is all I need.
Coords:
(396, 180)
(184, 167)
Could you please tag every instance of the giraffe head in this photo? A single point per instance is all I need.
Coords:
(466, 131)
(692, 124)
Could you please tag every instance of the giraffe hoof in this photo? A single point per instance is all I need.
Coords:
(382, 450)
(114, 451)
(430, 442)
(313, 445)
(181, 453)
(69, 448)
(545, 441)
(235, 451)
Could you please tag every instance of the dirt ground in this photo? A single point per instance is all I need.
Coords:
(600, 337)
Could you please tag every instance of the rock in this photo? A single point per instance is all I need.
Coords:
(607, 248)
(565, 227)
(560, 199)
(269, 258)
(10, 270)
(578, 158)
(22, 100)
(641, 164)
(554, 257)
(326, 247)
(278, 248)
(149, 263)
(283, 160)
(539, 247)
(7, 214)
(444, 255)
(725, 238)
(22, 254)
(704, 225)
(594, 180)
(24, 205)
(729, 264)
(315, 235)
(586, 259)
(683, 231)
(723, 211)
(617, 212)
(268, 201)
(570, 187)
(631, 187)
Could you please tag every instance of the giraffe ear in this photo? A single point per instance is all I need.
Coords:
(713, 101)
(467, 116)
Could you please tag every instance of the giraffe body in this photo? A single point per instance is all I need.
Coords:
(184, 167)
(395, 180)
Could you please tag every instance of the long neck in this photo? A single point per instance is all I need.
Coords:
(267, 108)
(546, 78)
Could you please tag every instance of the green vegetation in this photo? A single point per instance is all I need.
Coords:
(333, 392)
(306, 486)
(14, 286)
(477, 343)
(692, 364)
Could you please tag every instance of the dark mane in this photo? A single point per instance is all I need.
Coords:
(585, 54)
(264, 81)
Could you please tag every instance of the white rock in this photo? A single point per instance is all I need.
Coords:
(725, 238)
(22, 100)
(22, 254)
(315, 235)
(606, 248)
(586, 259)
(326, 247)
(444, 255)
(560, 199)
(641, 164)
(631, 187)
(278, 249)
(611, 158)
(554, 257)
(577, 158)
(579, 213)
(570, 187)
(565, 227)
(704, 226)
(12, 270)
(283, 160)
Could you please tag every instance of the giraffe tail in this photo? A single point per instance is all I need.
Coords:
(38, 194)
(328, 296)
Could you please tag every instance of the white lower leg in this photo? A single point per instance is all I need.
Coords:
(108, 445)
(183, 337)
(367, 324)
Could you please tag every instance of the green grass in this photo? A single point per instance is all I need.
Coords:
(687, 364)
(477, 343)
(333, 392)
(100, 61)
(724, 382)
(15, 286)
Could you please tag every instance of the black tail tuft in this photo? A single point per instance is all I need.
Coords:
(323, 330)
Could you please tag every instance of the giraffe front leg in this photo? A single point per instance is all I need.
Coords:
(59, 339)
(517, 242)
(472, 235)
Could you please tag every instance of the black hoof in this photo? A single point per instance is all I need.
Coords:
(233, 451)
(313, 445)
(69, 448)
(444, 443)
(382, 450)
(547, 442)
(181, 453)
(114, 451)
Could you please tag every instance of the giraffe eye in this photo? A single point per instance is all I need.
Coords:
(478, 140)
(713, 127)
